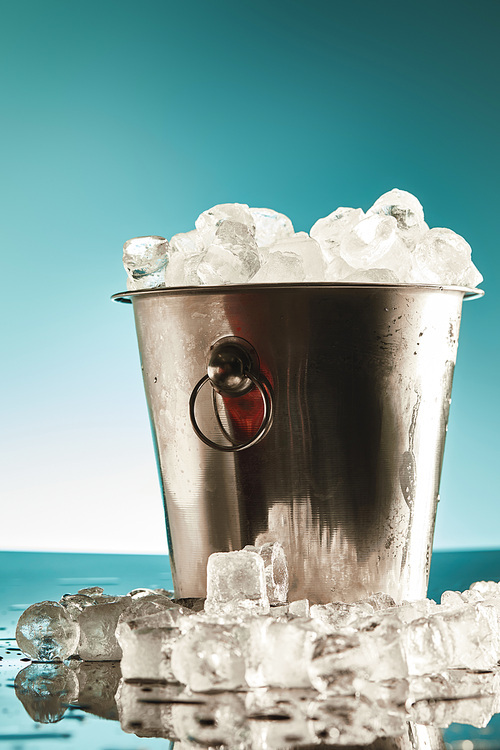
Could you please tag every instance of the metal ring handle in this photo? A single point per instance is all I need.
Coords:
(264, 425)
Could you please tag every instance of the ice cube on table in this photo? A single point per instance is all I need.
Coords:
(270, 226)
(234, 580)
(330, 231)
(143, 256)
(373, 653)
(146, 650)
(97, 629)
(299, 608)
(276, 572)
(335, 615)
(466, 637)
(444, 257)
(47, 632)
(278, 653)
(208, 657)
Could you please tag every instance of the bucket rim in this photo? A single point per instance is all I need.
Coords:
(127, 297)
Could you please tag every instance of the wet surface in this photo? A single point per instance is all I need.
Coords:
(74, 705)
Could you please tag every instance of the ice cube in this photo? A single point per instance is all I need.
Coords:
(299, 608)
(406, 209)
(97, 629)
(47, 632)
(270, 226)
(372, 653)
(338, 270)
(443, 257)
(236, 579)
(307, 249)
(330, 231)
(453, 684)
(182, 270)
(487, 589)
(146, 649)
(208, 657)
(335, 615)
(186, 244)
(372, 275)
(149, 281)
(466, 637)
(278, 653)
(208, 222)
(276, 572)
(227, 265)
(374, 243)
(279, 267)
(143, 256)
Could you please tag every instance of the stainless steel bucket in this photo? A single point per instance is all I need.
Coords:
(310, 414)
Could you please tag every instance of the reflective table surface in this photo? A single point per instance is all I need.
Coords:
(76, 708)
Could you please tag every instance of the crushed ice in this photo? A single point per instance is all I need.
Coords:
(233, 243)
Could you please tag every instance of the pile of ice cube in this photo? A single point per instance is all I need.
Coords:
(246, 635)
(235, 244)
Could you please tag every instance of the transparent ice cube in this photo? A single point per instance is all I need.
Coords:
(143, 256)
(443, 257)
(279, 653)
(270, 226)
(276, 572)
(97, 629)
(466, 637)
(148, 281)
(279, 267)
(330, 231)
(47, 632)
(208, 222)
(405, 208)
(208, 657)
(236, 579)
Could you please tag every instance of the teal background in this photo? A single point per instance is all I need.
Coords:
(121, 119)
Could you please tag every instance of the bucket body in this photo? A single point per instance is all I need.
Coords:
(346, 471)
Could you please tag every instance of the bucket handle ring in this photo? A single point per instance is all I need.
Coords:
(230, 372)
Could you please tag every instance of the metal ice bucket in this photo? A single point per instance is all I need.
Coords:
(310, 414)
